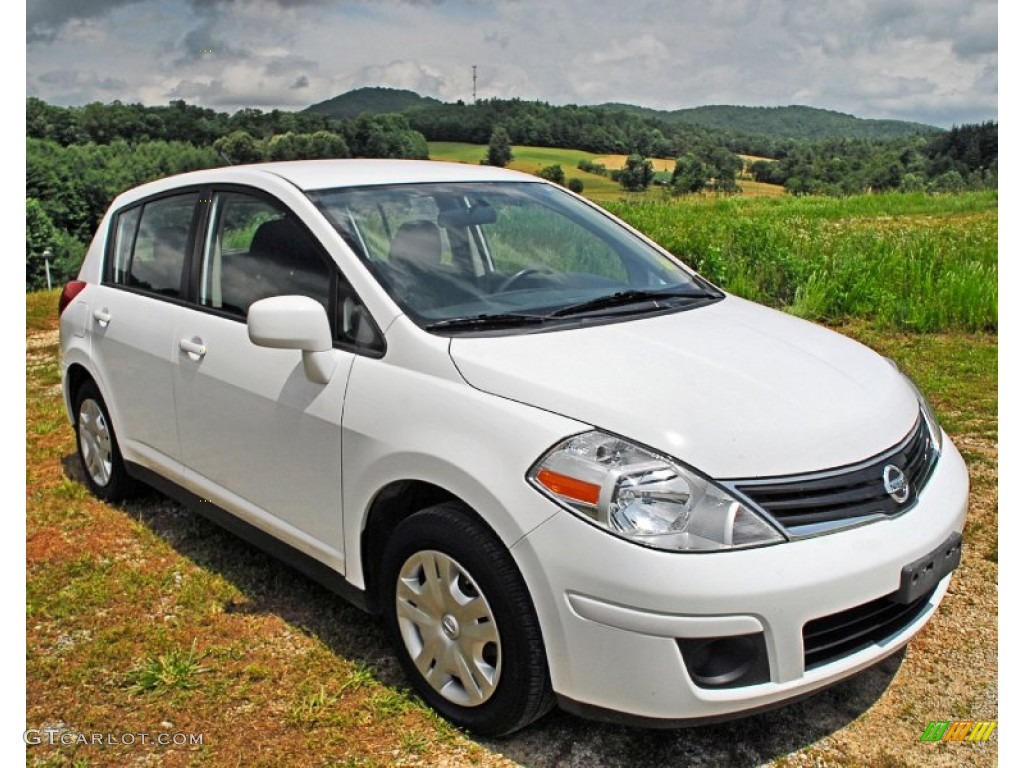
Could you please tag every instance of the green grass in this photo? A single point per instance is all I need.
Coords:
(916, 262)
(39, 312)
(178, 669)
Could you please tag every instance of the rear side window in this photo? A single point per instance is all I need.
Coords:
(151, 243)
(255, 249)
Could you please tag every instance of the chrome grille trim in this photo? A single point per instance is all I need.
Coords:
(818, 503)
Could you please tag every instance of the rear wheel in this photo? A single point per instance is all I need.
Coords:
(463, 623)
(97, 446)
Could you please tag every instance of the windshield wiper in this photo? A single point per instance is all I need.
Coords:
(632, 296)
(483, 322)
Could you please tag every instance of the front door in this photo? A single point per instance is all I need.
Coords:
(263, 440)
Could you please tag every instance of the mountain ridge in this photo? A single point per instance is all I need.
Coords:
(795, 121)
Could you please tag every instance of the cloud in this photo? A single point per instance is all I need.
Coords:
(203, 42)
(913, 59)
(496, 37)
(46, 18)
(77, 80)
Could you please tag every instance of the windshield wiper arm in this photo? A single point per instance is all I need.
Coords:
(483, 322)
(631, 296)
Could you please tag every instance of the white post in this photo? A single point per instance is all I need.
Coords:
(46, 260)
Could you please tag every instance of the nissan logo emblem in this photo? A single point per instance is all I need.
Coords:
(896, 484)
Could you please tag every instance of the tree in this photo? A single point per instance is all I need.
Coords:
(40, 236)
(553, 173)
(326, 145)
(950, 181)
(637, 175)
(690, 176)
(499, 150)
(239, 148)
(385, 136)
(576, 185)
(286, 146)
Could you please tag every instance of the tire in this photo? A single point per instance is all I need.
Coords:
(462, 622)
(97, 447)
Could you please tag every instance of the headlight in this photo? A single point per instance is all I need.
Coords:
(646, 498)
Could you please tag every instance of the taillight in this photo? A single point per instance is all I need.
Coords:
(71, 290)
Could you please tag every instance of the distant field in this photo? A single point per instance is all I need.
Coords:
(619, 161)
(531, 160)
(759, 189)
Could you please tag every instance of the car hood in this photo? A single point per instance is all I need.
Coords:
(733, 389)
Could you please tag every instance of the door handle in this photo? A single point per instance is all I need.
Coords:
(102, 316)
(193, 346)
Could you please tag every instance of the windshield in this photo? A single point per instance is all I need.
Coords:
(503, 253)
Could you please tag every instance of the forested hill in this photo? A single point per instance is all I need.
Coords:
(793, 122)
(373, 100)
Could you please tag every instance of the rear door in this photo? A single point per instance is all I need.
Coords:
(262, 439)
(132, 317)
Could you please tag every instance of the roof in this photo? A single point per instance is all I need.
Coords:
(324, 174)
(327, 174)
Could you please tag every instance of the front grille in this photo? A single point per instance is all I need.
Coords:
(825, 500)
(840, 634)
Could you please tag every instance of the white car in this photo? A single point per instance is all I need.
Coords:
(561, 466)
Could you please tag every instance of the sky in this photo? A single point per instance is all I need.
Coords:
(929, 61)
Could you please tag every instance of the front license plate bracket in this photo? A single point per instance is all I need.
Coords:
(920, 577)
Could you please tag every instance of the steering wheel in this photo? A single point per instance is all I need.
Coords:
(510, 281)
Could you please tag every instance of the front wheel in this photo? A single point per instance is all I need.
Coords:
(463, 623)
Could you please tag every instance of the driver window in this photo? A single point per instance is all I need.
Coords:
(255, 249)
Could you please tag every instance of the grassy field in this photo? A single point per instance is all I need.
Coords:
(919, 262)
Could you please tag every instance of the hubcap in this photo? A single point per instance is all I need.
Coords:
(94, 440)
(448, 628)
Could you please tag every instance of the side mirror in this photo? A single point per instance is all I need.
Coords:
(295, 322)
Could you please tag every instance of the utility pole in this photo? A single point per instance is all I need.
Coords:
(474, 83)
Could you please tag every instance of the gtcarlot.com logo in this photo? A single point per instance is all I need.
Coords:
(63, 737)
(958, 730)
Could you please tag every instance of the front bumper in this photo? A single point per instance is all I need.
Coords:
(611, 611)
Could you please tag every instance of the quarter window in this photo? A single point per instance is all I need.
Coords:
(124, 240)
